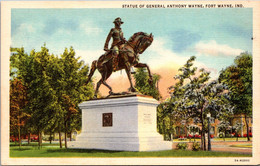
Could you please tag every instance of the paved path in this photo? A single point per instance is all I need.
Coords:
(226, 147)
(222, 146)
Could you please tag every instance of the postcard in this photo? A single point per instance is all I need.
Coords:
(130, 82)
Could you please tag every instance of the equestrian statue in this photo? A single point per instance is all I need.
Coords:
(122, 54)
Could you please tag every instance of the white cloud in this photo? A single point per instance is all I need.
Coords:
(90, 29)
(212, 48)
(162, 56)
(26, 28)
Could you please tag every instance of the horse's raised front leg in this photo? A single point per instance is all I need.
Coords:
(127, 69)
(139, 65)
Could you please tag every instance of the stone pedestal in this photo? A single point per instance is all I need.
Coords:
(125, 124)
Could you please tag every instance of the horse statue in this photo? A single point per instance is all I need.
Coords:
(128, 57)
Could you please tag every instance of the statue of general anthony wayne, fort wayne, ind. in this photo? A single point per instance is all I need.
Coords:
(122, 54)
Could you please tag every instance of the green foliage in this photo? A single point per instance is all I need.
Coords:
(182, 146)
(238, 127)
(18, 114)
(238, 77)
(55, 86)
(223, 126)
(196, 146)
(221, 135)
(165, 122)
(193, 96)
(142, 85)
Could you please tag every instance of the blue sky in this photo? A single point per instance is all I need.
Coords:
(215, 36)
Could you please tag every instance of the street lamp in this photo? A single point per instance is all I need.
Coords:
(209, 144)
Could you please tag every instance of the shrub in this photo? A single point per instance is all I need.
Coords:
(190, 136)
(182, 146)
(221, 135)
(211, 136)
(196, 146)
(197, 136)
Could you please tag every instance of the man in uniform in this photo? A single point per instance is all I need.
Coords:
(118, 39)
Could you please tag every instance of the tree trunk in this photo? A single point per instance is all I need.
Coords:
(39, 139)
(71, 136)
(201, 140)
(65, 139)
(50, 138)
(203, 132)
(224, 135)
(204, 139)
(19, 133)
(171, 131)
(29, 138)
(247, 128)
(60, 139)
(66, 132)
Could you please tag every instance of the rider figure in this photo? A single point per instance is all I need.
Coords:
(118, 39)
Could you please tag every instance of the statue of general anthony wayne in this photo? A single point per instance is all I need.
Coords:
(122, 54)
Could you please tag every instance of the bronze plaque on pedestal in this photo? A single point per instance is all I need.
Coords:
(107, 120)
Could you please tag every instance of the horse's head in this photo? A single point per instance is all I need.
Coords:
(141, 41)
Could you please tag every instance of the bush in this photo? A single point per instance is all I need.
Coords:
(197, 136)
(196, 146)
(190, 136)
(221, 135)
(182, 146)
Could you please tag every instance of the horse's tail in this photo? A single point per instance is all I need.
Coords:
(92, 70)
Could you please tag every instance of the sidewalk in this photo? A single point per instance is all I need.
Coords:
(226, 147)
(221, 146)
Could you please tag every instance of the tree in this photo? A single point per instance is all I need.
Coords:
(18, 102)
(238, 78)
(193, 96)
(165, 122)
(20, 70)
(223, 126)
(73, 90)
(141, 83)
(55, 85)
(238, 127)
(43, 101)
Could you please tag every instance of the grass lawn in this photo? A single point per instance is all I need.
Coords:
(48, 150)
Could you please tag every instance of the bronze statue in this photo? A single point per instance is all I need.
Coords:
(122, 55)
(118, 39)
